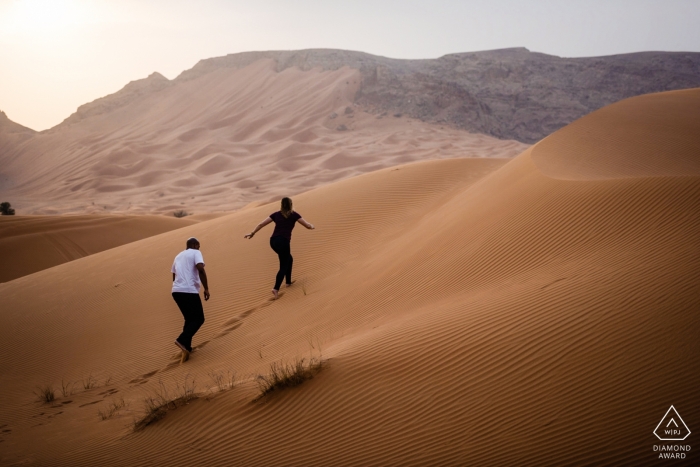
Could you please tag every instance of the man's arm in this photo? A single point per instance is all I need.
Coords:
(173, 277)
(203, 278)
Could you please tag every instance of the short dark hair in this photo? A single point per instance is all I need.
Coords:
(191, 241)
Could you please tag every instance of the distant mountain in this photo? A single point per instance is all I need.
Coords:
(129, 93)
(509, 93)
(7, 126)
(11, 135)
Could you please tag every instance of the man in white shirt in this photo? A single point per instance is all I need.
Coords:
(188, 274)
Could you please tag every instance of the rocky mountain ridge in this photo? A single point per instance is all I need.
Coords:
(508, 93)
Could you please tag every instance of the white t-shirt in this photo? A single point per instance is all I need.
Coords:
(185, 270)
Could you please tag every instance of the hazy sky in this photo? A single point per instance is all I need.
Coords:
(58, 54)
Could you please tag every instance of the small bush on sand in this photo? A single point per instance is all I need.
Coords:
(45, 393)
(223, 381)
(112, 409)
(180, 213)
(287, 375)
(160, 402)
(89, 382)
(66, 388)
(6, 210)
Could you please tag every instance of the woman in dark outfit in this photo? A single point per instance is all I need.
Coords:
(285, 219)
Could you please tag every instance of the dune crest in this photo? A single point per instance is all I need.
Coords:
(470, 311)
(649, 136)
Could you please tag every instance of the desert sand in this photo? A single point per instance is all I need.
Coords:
(33, 243)
(218, 143)
(541, 310)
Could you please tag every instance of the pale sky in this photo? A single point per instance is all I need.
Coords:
(56, 55)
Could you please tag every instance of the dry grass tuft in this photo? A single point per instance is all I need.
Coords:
(112, 409)
(160, 402)
(287, 375)
(66, 388)
(46, 393)
(223, 381)
(180, 213)
(89, 382)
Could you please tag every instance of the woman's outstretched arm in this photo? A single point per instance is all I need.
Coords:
(259, 226)
(305, 224)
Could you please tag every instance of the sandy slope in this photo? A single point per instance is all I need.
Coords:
(219, 142)
(33, 243)
(470, 312)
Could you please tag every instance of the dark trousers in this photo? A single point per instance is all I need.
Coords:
(191, 307)
(282, 248)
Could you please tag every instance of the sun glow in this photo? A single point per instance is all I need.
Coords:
(44, 17)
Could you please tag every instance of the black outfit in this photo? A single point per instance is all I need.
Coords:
(280, 243)
(281, 246)
(191, 308)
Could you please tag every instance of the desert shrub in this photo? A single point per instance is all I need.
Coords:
(180, 213)
(160, 402)
(287, 375)
(223, 380)
(6, 209)
(66, 388)
(89, 382)
(45, 393)
(112, 409)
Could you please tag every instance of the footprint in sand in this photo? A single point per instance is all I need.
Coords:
(90, 403)
(228, 330)
(245, 314)
(172, 364)
(143, 378)
(230, 325)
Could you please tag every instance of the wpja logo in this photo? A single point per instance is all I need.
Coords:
(672, 428)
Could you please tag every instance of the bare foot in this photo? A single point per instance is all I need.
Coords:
(275, 293)
(289, 284)
(185, 356)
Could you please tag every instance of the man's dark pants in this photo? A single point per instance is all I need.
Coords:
(191, 307)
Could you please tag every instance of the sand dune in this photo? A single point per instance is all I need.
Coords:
(470, 311)
(33, 243)
(218, 143)
(588, 148)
